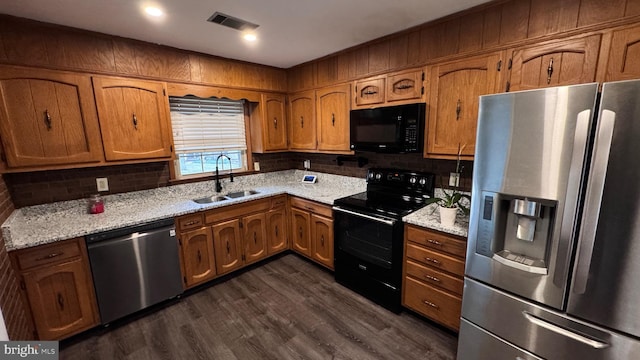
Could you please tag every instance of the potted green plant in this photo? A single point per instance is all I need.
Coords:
(449, 204)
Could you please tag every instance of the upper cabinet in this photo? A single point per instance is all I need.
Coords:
(565, 62)
(302, 121)
(453, 103)
(332, 109)
(269, 124)
(624, 58)
(134, 118)
(47, 118)
(389, 89)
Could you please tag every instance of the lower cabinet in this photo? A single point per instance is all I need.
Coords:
(433, 271)
(56, 281)
(277, 234)
(227, 246)
(312, 230)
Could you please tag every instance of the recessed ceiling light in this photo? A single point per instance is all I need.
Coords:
(154, 11)
(250, 37)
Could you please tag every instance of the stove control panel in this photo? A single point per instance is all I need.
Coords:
(399, 180)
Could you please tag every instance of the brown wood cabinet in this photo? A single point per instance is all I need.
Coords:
(255, 237)
(134, 118)
(369, 91)
(564, 62)
(196, 250)
(624, 57)
(433, 272)
(390, 89)
(453, 101)
(302, 121)
(277, 239)
(269, 128)
(47, 118)
(227, 243)
(312, 230)
(57, 283)
(332, 108)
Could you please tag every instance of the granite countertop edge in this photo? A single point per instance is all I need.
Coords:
(68, 219)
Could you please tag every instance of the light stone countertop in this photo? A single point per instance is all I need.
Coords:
(429, 217)
(42, 224)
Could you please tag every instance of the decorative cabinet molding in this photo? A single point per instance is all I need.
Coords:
(269, 129)
(369, 92)
(390, 89)
(332, 109)
(624, 57)
(302, 121)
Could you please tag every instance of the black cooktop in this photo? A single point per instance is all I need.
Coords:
(391, 192)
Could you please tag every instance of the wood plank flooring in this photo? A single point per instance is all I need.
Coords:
(285, 309)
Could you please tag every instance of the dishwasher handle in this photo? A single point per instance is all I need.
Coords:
(107, 235)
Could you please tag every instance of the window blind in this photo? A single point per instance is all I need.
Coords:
(207, 125)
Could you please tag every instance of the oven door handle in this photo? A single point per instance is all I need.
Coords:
(385, 221)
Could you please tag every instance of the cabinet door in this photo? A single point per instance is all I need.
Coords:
(301, 239)
(276, 233)
(134, 118)
(274, 122)
(47, 118)
(369, 92)
(62, 299)
(405, 85)
(322, 240)
(303, 121)
(333, 105)
(566, 62)
(197, 254)
(227, 245)
(624, 58)
(453, 101)
(255, 237)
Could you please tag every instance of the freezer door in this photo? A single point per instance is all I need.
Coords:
(537, 330)
(605, 286)
(487, 346)
(527, 178)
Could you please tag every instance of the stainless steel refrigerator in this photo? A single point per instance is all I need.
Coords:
(553, 256)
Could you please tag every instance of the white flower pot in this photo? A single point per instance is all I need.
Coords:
(448, 216)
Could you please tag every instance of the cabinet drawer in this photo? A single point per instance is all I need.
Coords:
(48, 254)
(236, 211)
(435, 259)
(189, 222)
(437, 241)
(278, 201)
(434, 277)
(312, 206)
(435, 304)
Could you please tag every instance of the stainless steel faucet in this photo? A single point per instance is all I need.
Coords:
(218, 184)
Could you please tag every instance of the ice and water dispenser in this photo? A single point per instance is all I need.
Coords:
(516, 231)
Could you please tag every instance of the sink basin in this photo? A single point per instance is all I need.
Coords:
(210, 199)
(238, 194)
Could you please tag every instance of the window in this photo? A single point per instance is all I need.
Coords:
(203, 129)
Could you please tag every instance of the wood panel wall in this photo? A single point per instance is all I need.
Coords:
(32, 43)
(486, 28)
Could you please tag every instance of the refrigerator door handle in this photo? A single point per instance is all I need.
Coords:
(594, 343)
(593, 200)
(571, 200)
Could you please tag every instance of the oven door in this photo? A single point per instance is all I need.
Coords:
(368, 255)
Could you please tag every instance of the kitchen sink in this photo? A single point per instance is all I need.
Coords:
(210, 199)
(238, 194)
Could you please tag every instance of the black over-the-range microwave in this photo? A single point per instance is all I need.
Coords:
(393, 129)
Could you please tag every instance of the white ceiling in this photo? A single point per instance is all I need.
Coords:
(291, 31)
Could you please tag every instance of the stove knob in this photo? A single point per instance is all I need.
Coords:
(378, 176)
(423, 181)
(370, 175)
(412, 180)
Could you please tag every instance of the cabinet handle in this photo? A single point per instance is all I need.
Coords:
(549, 71)
(189, 223)
(50, 256)
(228, 248)
(301, 121)
(199, 257)
(300, 232)
(322, 240)
(370, 92)
(432, 278)
(135, 121)
(431, 304)
(434, 242)
(275, 122)
(458, 109)
(255, 238)
(276, 230)
(47, 119)
(333, 119)
(432, 260)
(403, 86)
(61, 301)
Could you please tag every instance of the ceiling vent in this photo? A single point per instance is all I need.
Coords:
(230, 21)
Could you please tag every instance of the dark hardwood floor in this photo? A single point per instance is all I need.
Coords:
(285, 309)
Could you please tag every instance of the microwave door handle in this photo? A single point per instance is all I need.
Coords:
(571, 200)
(593, 200)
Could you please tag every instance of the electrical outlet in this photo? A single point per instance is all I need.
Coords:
(102, 184)
(256, 166)
(454, 179)
(307, 164)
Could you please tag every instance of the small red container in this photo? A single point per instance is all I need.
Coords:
(95, 204)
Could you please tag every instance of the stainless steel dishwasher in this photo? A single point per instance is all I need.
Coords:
(134, 267)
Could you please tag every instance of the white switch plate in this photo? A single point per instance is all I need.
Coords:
(307, 164)
(102, 184)
(454, 179)
(256, 166)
